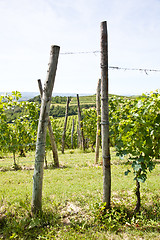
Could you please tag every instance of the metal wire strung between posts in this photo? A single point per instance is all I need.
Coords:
(104, 98)
(106, 158)
(106, 166)
(146, 70)
(104, 66)
(134, 69)
(74, 53)
(104, 123)
(21, 145)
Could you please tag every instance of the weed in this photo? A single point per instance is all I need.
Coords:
(19, 224)
(71, 151)
(16, 167)
(111, 219)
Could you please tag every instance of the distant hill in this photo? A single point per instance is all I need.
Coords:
(28, 95)
(25, 95)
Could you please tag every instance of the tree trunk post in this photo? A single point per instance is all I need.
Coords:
(14, 157)
(138, 204)
(79, 143)
(98, 120)
(51, 134)
(45, 160)
(72, 133)
(105, 116)
(80, 124)
(65, 125)
(36, 205)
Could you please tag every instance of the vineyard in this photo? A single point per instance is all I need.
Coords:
(135, 147)
(60, 122)
(134, 124)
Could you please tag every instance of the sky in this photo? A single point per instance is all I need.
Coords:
(28, 28)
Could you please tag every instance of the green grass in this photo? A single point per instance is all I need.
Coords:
(72, 197)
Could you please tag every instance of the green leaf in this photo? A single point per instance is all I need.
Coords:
(126, 172)
(142, 178)
(136, 166)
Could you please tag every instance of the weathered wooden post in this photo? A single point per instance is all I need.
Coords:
(105, 116)
(80, 123)
(79, 143)
(98, 120)
(51, 134)
(65, 125)
(72, 133)
(36, 205)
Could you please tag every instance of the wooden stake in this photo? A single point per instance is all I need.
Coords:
(72, 133)
(51, 134)
(105, 116)
(98, 120)
(79, 143)
(36, 205)
(80, 124)
(65, 125)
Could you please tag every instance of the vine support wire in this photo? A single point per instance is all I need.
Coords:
(145, 70)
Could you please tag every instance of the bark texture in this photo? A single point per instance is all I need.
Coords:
(138, 204)
(36, 205)
(72, 133)
(53, 144)
(65, 125)
(80, 124)
(98, 120)
(105, 116)
(51, 134)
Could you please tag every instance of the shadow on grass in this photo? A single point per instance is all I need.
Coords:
(30, 168)
(53, 167)
(129, 162)
(16, 222)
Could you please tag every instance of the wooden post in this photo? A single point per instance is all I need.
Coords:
(138, 204)
(105, 116)
(98, 120)
(79, 143)
(14, 157)
(80, 124)
(45, 160)
(36, 205)
(51, 134)
(65, 125)
(72, 133)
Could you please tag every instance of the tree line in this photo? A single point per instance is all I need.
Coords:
(57, 108)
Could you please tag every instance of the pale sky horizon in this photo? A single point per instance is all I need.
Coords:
(28, 28)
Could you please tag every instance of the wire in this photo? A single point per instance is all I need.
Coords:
(74, 53)
(146, 70)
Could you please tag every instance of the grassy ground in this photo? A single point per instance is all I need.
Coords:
(72, 197)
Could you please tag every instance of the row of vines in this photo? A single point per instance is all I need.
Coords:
(134, 128)
(20, 134)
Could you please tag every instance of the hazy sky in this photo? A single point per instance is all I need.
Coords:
(28, 28)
